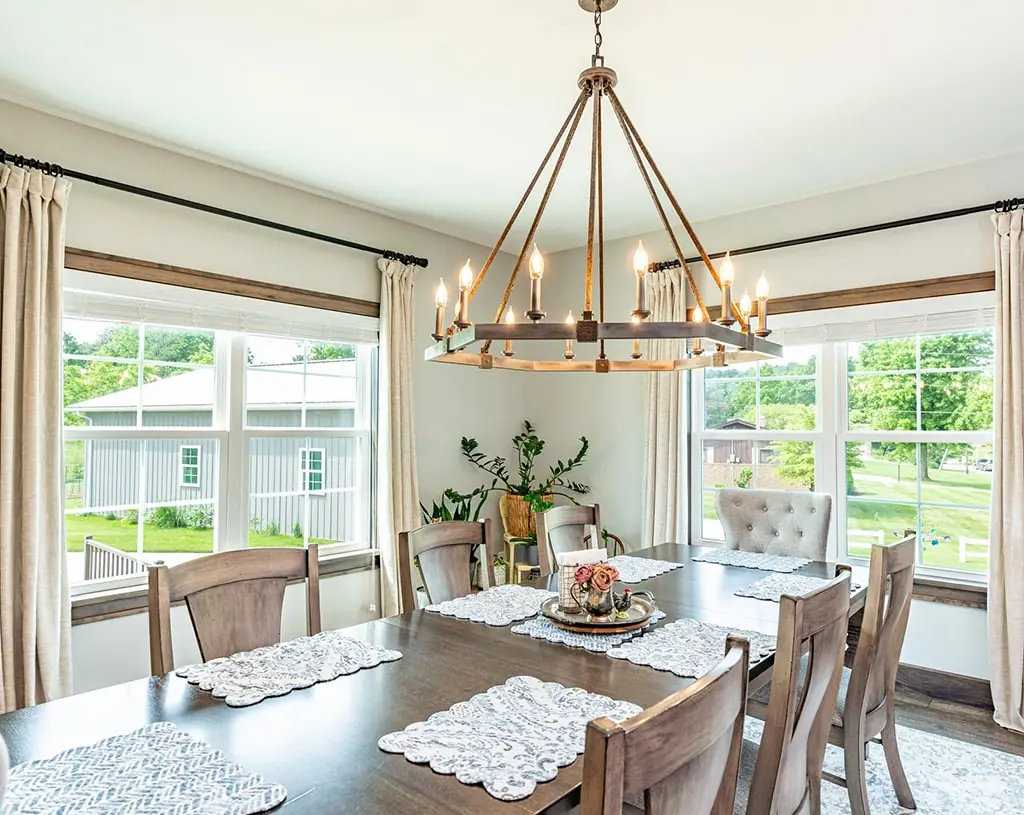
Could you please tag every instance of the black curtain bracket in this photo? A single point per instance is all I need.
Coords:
(57, 170)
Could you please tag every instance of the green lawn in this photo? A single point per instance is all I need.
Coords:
(124, 536)
(886, 480)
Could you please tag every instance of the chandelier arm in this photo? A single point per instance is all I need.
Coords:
(588, 296)
(620, 115)
(600, 208)
(522, 201)
(679, 211)
(580, 107)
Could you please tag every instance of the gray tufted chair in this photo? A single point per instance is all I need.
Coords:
(777, 522)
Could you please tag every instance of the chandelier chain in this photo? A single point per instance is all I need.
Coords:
(598, 39)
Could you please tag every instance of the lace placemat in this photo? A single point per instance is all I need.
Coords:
(502, 605)
(541, 628)
(752, 560)
(509, 738)
(252, 676)
(689, 647)
(638, 569)
(775, 585)
(153, 771)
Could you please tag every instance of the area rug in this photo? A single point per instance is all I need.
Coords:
(947, 777)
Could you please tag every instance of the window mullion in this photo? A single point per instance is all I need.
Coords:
(233, 486)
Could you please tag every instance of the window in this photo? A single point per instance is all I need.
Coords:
(312, 467)
(189, 458)
(182, 441)
(898, 427)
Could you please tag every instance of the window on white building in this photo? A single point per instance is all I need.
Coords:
(182, 433)
(896, 423)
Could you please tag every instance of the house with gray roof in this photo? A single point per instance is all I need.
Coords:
(283, 471)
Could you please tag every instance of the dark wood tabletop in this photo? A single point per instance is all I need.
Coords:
(321, 743)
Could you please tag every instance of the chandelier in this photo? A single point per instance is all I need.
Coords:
(730, 339)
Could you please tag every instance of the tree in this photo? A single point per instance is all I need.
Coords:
(950, 399)
(321, 351)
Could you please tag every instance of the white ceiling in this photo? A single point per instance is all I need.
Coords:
(438, 112)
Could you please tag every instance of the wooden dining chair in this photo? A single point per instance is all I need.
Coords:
(443, 553)
(866, 707)
(788, 771)
(564, 529)
(234, 600)
(776, 522)
(681, 755)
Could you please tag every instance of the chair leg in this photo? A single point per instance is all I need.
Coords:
(896, 773)
(856, 776)
(814, 782)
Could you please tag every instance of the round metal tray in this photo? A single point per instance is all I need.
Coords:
(637, 616)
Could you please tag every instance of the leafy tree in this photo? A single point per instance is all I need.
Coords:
(321, 351)
(950, 399)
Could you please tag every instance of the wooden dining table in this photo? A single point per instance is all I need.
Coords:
(321, 742)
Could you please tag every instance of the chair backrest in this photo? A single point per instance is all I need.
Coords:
(886, 611)
(777, 522)
(5, 763)
(682, 753)
(564, 529)
(444, 552)
(796, 729)
(234, 600)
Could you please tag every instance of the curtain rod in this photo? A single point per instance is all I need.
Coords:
(57, 170)
(1005, 205)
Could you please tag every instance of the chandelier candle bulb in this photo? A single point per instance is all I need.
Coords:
(746, 307)
(441, 301)
(698, 319)
(536, 275)
(636, 340)
(510, 319)
(762, 306)
(640, 264)
(465, 281)
(569, 353)
(728, 276)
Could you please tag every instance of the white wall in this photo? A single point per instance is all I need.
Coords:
(609, 410)
(449, 402)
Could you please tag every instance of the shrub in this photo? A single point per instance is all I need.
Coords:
(130, 517)
(167, 518)
(110, 516)
(297, 530)
(197, 517)
(272, 528)
(743, 479)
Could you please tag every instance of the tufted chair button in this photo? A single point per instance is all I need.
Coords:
(737, 503)
(764, 508)
(750, 527)
(791, 510)
(801, 534)
(814, 509)
(776, 533)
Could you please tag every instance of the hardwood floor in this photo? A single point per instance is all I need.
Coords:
(961, 722)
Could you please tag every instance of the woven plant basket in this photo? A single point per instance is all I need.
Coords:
(515, 512)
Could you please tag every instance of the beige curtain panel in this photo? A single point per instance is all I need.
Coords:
(35, 608)
(664, 517)
(398, 498)
(1006, 552)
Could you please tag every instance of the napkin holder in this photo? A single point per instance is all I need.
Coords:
(567, 563)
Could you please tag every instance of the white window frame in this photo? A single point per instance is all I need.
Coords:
(228, 430)
(183, 467)
(830, 439)
(305, 470)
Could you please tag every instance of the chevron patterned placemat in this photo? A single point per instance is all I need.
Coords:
(155, 770)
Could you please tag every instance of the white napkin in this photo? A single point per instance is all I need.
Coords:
(581, 556)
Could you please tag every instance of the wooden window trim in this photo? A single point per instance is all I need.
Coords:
(107, 605)
(148, 271)
(951, 592)
(874, 295)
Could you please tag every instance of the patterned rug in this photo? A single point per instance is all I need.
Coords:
(947, 777)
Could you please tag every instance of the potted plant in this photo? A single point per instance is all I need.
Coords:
(525, 491)
(461, 506)
(500, 570)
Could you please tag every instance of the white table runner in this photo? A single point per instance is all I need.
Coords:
(252, 676)
(689, 647)
(509, 738)
(638, 569)
(502, 605)
(752, 560)
(541, 628)
(155, 770)
(775, 585)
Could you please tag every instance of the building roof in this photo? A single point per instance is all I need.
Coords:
(329, 383)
